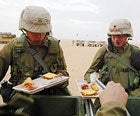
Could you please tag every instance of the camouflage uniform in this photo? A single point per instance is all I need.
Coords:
(27, 64)
(111, 68)
(22, 63)
(111, 109)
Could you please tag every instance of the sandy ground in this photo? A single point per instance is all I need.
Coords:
(78, 60)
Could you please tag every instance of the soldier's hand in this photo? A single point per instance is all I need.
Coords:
(59, 74)
(113, 92)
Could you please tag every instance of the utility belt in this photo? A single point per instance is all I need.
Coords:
(124, 70)
(6, 91)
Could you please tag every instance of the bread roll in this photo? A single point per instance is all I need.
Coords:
(49, 75)
(95, 87)
(88, 92)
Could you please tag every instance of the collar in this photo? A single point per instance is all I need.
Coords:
(45, 43)
(121, 49)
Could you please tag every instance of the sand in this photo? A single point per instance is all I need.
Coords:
(78, 60)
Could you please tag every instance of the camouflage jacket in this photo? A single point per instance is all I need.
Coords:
(22, 63)
(111, 109)
(113, 68)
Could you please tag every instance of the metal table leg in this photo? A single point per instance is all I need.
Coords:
(88, 106)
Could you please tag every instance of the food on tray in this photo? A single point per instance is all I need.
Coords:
(89, 89)
(49, 75)
(31, 87)
(28, 83)
(84, 86)
(94, 86)
(88, 92)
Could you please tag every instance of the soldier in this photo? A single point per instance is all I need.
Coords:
(113, 100)
(20, 54)
(113, 61)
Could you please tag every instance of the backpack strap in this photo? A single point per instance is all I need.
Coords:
(53, 49)
(101, 62)
(34, 54)
(37, 57)
(123, 62)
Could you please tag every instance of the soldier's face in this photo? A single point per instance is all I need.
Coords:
(35, 38)
(119, 40)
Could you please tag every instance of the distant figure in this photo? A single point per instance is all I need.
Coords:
(35, 44)
(112, 62)
(73, 42)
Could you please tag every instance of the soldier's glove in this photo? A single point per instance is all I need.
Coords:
(6, 90)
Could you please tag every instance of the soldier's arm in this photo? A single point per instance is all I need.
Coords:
(111, 109)
(113, 100)
(3, 68)
(62, 67)
(5, 58)
(94, 65)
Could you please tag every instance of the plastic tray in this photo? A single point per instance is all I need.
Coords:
(81, 82)
(41, 83)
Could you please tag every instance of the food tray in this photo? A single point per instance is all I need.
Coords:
(41, 83)
(80, 82)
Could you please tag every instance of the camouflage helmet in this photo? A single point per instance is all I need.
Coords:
(35, 19)
(119, 27)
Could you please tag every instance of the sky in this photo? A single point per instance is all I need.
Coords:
(75, 19)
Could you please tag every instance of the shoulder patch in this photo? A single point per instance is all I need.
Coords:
(18, 46)
(134, 48)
